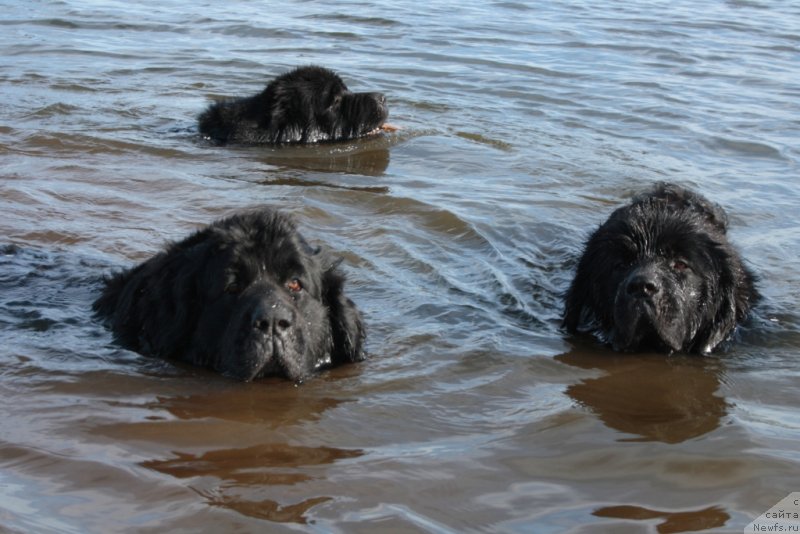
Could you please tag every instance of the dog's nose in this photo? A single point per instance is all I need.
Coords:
(642, 286)
(273, 315)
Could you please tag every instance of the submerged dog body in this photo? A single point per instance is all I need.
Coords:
(246, 296)
(660, 275)
(306, 105)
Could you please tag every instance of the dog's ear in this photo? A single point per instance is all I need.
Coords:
(574, 307)
(151, 308)
(737, 294)
(576, 299)
(347, 326)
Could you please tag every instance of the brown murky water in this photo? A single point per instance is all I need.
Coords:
(522, 128)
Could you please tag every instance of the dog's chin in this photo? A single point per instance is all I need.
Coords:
(638, 327)
(372, 127)
(372, 124)
(263, 358)
(644, 338)
(374, 131)
(346, 133)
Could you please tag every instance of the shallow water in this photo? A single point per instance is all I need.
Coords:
(522, 128)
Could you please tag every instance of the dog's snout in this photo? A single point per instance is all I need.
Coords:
(642, 285)
(272, 315)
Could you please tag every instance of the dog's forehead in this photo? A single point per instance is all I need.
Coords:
(281, 255)
(320, 84)
(646, 233)
(333, 85)
(254, 237)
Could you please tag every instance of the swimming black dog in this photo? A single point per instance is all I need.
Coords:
(306, 105)
(246, 296)
(660, 275)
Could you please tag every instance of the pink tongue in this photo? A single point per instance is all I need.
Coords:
(389, 128)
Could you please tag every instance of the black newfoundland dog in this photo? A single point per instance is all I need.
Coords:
(246, 296)
(306, 105)
(660, 275)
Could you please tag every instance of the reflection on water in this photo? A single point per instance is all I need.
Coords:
(523, 126)
(269, 403)
(707, 518)
(251, 465)
(238, 474)
(299, 182)
(658, 398)
(266, 509)
(366, 158)
(248, 479)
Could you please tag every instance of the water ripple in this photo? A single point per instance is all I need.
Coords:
(522, 127)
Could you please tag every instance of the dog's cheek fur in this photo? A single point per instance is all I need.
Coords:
(732, 291)
(218, 328)
(317, 331)
(577, 298)
(288, 118)
(152, 308)
(595, 282)
(296, 113)
(347, 326)
(693, 297)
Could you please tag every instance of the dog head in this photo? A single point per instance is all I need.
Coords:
(660, 275)
(246, 296)
(312, 104)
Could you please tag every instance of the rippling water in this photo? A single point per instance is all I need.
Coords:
(522, 128)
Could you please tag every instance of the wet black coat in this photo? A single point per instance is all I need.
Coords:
(660, 275)
(307, 105)
(246, 296)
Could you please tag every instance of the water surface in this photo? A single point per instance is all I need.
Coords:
(523, 127)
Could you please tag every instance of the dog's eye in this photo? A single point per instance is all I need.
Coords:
(232, 286)
(680, 265)
(621, 265)
(294, 285)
